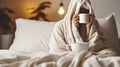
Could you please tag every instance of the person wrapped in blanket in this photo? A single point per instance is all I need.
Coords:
(69, 30)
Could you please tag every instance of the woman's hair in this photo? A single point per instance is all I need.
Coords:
(83, 10)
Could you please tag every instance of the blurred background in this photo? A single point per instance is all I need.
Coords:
(43, 10)
(48, 10)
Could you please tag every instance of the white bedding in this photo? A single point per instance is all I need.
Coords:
(40, 59)
(32, 51)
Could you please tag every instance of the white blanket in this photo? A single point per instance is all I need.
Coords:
(83, 59)
(65, 32)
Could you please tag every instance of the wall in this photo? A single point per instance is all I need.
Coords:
(103, 8)
(23, 8)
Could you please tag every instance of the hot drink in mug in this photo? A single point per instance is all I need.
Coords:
(84, 18)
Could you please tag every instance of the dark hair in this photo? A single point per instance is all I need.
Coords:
(83, 10)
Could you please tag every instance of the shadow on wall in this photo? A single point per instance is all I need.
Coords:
(5, 27)
(39, 11)
(5, 20)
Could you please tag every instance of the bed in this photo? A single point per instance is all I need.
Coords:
(30, 47)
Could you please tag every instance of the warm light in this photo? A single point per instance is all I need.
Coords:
(61, 10)
(30, 9)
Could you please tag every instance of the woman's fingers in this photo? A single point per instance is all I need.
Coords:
(75, 15)
(92, 18)
(75, 20)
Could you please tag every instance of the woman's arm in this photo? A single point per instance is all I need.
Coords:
(84, 29)
(57, 41)
(96, 37)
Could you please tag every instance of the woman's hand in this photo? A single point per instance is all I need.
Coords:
(92, 18)
(75, 20)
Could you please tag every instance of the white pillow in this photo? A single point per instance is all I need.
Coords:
(32, 36)
(108, 24)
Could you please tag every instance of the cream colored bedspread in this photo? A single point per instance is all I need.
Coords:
(83, 59)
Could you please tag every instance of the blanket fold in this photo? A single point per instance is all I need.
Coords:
(82, 59)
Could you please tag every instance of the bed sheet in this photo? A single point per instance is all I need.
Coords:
(10, 58)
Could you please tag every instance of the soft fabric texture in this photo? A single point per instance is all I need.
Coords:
(12, 58)
(32, 36)
(41, 44)
(65, 32)
(9, 58)
(108, 24)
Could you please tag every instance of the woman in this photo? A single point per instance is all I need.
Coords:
(69, 30)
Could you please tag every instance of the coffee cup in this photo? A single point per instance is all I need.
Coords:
(83, 18)
(78, 47)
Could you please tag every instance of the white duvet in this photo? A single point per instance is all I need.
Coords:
(12, 58)
(83, 59)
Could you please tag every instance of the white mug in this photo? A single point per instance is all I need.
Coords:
(83, 18)
(78, 47)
